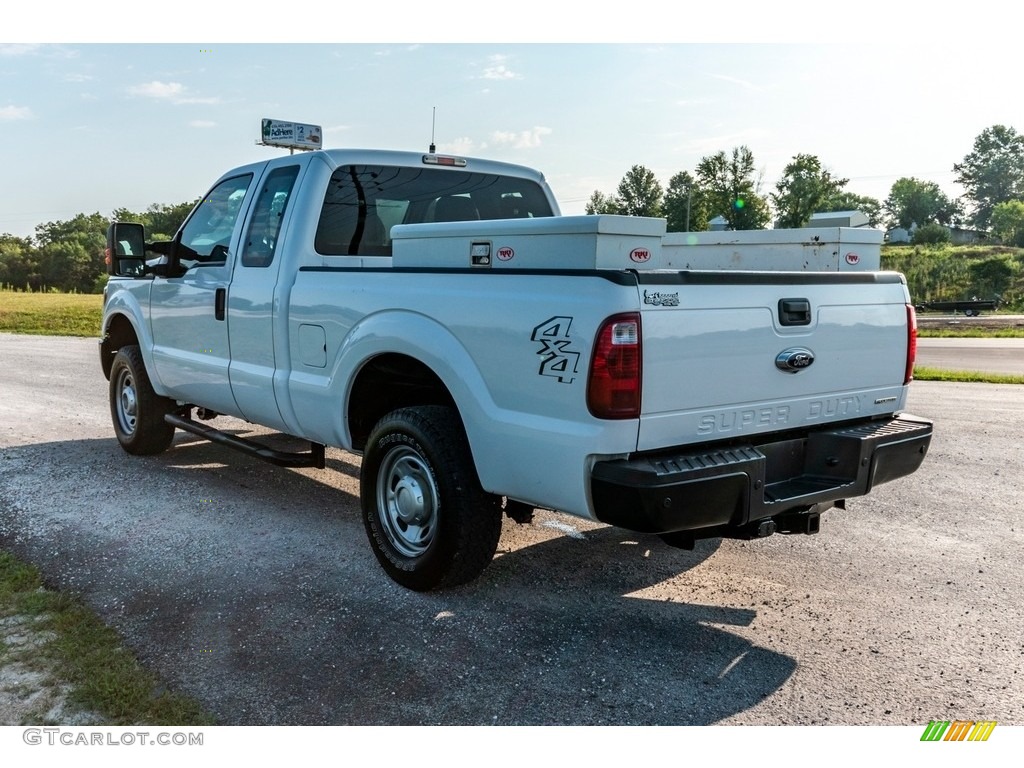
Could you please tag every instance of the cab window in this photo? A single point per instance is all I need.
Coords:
(363, 203)
(268, 212)
(207, 234)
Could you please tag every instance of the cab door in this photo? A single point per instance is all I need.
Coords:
(254, 325)
(190, 332)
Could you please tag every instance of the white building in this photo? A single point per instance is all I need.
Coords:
(838, 219)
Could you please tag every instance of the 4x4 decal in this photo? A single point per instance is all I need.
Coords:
(557, 359)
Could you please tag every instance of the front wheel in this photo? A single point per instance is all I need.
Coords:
(137, 411)
(429, 522)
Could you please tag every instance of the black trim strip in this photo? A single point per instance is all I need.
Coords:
(619, 278)
(655, 277)
(701, 277)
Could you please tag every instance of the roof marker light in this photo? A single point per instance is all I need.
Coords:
(458, 162)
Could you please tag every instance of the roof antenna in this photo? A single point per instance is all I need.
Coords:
(433, 120)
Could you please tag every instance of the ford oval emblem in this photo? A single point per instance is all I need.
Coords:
(794, 359)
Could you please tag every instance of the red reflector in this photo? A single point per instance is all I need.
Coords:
(911, 343)
(613, 389)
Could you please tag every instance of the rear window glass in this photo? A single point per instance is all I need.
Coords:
(363, 202)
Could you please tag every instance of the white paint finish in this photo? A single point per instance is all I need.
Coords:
(822, 249)
(555, 243)
(709, 350)
(709, 364)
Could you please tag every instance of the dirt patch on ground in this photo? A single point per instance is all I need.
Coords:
(31, 689)
(945, 322)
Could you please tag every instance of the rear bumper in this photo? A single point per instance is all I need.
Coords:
(733, 488)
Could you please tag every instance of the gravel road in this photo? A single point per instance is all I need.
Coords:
(253, 588)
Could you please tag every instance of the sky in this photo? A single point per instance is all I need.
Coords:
(91, 123)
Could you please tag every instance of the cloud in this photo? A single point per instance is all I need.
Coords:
(523, 139)
(15, 113)
(497, 70)
(158, 90)
(176, 93)
(77, 78)
(202, 124)
(17, 49)
(705, 145)
(198, 100)
(742, 83)
(460, 146)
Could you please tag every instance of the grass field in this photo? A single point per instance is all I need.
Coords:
(972, 333)
(51, 314)
(924, 373)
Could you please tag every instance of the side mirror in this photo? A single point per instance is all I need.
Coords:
(125, 253)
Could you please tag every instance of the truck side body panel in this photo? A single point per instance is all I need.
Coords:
(484, 336)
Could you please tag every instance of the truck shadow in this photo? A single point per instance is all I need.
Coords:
(254, 589)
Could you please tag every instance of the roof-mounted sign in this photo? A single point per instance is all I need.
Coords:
(278, 133)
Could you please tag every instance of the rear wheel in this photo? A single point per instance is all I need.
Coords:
(428, 520)
(137, 411)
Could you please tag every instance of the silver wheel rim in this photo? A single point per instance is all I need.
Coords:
(127, 402)
(407, 501)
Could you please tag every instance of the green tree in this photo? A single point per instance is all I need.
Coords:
(639, 193)
(599, 202)
(993, 172)
(71, 252)
(804, 188)
(160, 220)
(19, 263)
(1008, 222)
(991, 277)
(848, 201)
(913, 201)
(684, 206)
(732, 189)
(931, 234)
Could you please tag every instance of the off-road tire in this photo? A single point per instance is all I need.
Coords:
(429, 522)
(136, 410)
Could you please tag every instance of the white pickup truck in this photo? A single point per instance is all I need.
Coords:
(485, 354)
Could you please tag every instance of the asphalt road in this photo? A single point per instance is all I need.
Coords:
(986, 355)
(253, 588)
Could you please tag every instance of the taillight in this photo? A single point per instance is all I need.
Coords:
(613, 389)
(911, 343)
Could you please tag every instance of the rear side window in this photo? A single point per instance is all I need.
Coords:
(363, 202)
(261, 239)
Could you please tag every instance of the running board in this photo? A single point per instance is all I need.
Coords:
(315, 457)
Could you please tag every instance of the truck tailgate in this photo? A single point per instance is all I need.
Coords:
(731, 354)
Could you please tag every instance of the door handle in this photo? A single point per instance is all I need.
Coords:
(794, 312)
(220, 302)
